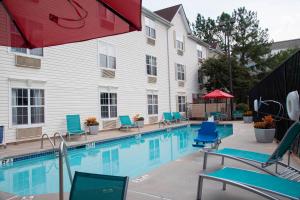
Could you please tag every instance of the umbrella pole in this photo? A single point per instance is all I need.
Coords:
(204, 108)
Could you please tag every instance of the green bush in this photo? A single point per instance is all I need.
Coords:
(242, 107)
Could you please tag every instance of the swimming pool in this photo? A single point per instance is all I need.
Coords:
(132, 156)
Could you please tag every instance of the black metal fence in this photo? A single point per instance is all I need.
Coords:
(276, 86)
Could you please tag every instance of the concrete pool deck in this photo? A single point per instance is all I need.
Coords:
(177, 180)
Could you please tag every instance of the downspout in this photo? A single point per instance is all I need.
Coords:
(169, 75)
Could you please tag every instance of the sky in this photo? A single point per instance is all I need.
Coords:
(281, 17)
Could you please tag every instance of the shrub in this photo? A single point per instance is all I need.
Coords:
(266, 123)
(91, 121)
(242, 107)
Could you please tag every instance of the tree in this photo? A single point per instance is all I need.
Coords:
(205, 29)
(273, 61)
(250, 41)
(217, 72)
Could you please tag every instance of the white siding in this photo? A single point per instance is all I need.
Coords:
(71, 76)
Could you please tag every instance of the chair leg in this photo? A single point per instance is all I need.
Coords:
(205, 161)
(224, 186)
(223, 160)
(200, 188)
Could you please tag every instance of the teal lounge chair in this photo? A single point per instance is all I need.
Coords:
(260, 160)
(237, 115)
(126, 122)
(94, 186)
(254, 182)
(74, 126)
(168, 118)
(286, 186)
(178, 117)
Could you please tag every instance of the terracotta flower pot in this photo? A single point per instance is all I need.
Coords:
(264, 135)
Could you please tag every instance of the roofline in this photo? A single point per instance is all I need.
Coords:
(151, 14)
(286, 40)
(198, 40)
(186, 21)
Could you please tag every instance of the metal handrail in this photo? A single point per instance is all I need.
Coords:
(60, 136)
(42, 141)
(63, 154)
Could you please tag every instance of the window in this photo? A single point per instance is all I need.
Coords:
(152, 104)
(107, 55)
(199, 52)
(180, 72)
(179, 42)
(181, 103)
(34, 52)
(108, 103)
(150, 28)
(28, 106)
(151, 65)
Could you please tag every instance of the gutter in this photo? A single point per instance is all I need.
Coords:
(169, 75)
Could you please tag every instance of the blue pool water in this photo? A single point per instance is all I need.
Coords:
(133, 157)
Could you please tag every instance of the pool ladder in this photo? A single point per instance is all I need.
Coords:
(42, 141)
(63, 154)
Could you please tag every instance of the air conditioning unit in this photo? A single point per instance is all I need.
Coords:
(180, 52)
(107, 73)
(151, 41)
(23, 61)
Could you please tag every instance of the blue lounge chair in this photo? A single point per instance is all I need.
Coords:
(207, 134)
(95, 186)
(74, 126)
(258, 183)
(261, 160)
(126, 122)
(178, 117)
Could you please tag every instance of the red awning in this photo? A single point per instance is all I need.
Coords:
(42, 23)
(217, 94)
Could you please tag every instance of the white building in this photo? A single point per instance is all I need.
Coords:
(147, 73)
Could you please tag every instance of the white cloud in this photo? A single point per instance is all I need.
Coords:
(282, 18)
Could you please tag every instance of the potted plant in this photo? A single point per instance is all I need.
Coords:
(138, 120)
(93, 125)
(265, 130)
(247, 117)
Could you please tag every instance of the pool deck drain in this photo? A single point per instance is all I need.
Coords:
(178, 180)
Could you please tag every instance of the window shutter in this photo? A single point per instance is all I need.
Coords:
(177, 104)
(174, 36)
(176, 72)
(184, 72)
(183, 43)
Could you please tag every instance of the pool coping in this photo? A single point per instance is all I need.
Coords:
(17, 158)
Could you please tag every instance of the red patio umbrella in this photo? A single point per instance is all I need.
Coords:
(42, 23)
(217, 94)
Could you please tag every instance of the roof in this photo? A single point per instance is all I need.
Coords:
(152, 15)
(168, 13)
(287, 44)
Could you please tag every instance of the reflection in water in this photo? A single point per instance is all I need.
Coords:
(110, 161)
(182, 141)
(154, 150)
(30, 181)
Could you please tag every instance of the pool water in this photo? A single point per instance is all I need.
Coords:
(132, 156)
